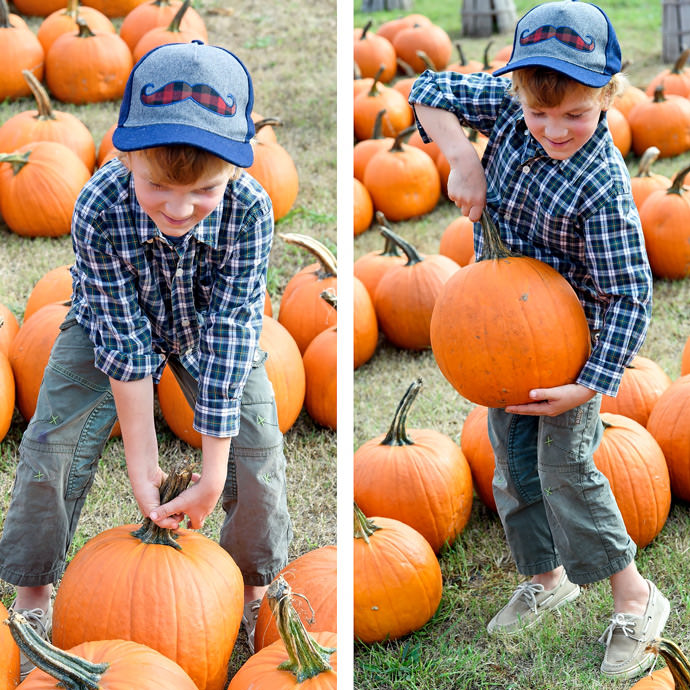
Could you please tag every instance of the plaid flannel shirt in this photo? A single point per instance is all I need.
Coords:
(142, 298)
(577, 214)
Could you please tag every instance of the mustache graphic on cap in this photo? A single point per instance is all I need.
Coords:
(564, 34)
(178, 91)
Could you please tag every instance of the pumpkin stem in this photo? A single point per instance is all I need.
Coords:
(487, 64)
(43, 106)
(16, 160)
(397, 146)
(462, 61)
(330, 297)
(378, 125)
(426, 60)
(390, 248)
(307, 657)
(366, 28)
(267, 122)
(174, 26)
(405, 67)
(329, 264)
(413, 256)
(84, 30)
(677, 662)
(493, 244)
(679, 64)
(173, 485)
(648, 157)
(72, 9)
(374, 90)
(5, 15)
(659, 96)
(71, 672)
(677, 184)
(364, 527)
(397, 434)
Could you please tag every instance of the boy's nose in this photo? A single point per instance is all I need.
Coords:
(553, 130)
(179, 209)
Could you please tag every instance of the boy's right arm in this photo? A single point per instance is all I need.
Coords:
(466, 181)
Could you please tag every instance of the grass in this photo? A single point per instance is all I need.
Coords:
(453, 651)
(301, 91)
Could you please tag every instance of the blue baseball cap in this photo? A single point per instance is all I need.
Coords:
(189, 93)
(572, 37)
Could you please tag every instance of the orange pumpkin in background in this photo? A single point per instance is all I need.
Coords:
(64, 20)
(9, 655)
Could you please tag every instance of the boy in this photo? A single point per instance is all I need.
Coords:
(171, 249)
(559, 191)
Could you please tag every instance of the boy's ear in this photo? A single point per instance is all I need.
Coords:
(124, 157)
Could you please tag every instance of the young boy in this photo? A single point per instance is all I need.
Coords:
(559, 191)
(171, 249)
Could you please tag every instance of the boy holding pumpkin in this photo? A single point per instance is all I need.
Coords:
(171, 244)
(559, 191)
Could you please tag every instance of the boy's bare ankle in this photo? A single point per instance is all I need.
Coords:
(550, 579)
(33, 597)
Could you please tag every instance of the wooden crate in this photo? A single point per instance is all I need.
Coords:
(376, 5)
(485, 17)
(675, 25)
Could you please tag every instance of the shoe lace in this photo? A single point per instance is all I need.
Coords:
(527, 591)
(623, 621)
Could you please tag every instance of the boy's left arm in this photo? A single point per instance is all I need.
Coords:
(620, 272)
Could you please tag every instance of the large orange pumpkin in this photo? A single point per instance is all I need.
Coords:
(312, 576)
(685, 359)
(397, 579)
(419, 477)
(675, 79)
(406, 294)
(457, 241)
(103, 664)
(635, 466)
(19, 50)
(298, 661)
(158, 13)
(507, 324)
(53, 286)
(114, 8)
(646, 182)
(669, 423)
(30, 351)
(429, 38)
(676, 674)
(181, 594)
(371, 50)
(7, 396)
(370, 102)
(46, 124)
(39, 184)
(366, 330)
(9, 655)
(9, 327)
(284, 368)
(88, 66)
(665, 218)
(642, 383)
(39, 8)
(302, 310)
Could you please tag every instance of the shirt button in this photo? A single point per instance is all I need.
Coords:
(525, 168)
(185, 322)
(179, 272)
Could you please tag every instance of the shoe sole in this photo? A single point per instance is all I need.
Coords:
(648, 660)
(525, 626)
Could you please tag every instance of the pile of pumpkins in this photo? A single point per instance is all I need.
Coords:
(168, 616)
(78, 56)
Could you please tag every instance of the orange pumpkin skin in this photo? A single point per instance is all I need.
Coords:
(160, 35)
(371, 51)
(392, 27)
(642, 383)
(635, 466)
(7, 394)
(476, 447)
(9, 655)
(114, 8)
(37, 200)
(53, 286)
(130, 665)
(498, 330)
(371, 267)
(366, 330)
(646, 182)
(457, 241)
(88, 67)
(320, 370)
(397, 581)
(8, 329)
(669, 423)
(313, 575)
(661, 679)
(19, 50)
(431, 39)
(186, 604)
(363, 208)
(158, 13)
(620, 130)
(30, 351)
(261, 671)
(685, 359)
(38, 8)
(369, 102)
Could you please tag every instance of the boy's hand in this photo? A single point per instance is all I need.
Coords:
(467, 188)
(197, 502)
(551, 402)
